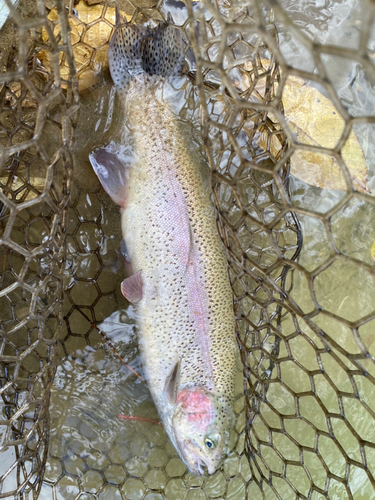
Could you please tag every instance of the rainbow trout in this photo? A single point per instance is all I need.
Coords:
(180, 279)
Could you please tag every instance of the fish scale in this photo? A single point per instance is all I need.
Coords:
(185, 303)
(152, 237)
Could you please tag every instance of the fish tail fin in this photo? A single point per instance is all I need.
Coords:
(164, 52)
(135, 49)
(125, 53)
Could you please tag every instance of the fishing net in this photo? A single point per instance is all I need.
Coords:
(34, 191)
(281, 99)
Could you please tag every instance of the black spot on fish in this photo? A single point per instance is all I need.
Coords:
(159, 50)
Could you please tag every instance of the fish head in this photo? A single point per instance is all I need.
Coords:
(201, 422)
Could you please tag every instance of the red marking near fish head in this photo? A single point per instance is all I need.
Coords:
(197, 406)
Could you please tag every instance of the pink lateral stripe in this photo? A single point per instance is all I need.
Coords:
(190, 259)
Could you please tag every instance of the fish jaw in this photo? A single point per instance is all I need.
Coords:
(195, 463)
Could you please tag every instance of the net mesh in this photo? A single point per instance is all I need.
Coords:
(282, 93)
(34, 193)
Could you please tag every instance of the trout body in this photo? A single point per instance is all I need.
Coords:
(180, 280)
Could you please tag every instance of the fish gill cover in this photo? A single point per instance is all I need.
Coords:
(284, 102)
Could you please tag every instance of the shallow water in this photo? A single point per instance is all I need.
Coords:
(345, 288)
(99, 451)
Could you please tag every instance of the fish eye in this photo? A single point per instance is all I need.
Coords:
(210, 443)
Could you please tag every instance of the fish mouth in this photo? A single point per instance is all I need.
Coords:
(199, 467)
(195, 464)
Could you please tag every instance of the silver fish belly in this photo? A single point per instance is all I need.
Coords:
(180, 282)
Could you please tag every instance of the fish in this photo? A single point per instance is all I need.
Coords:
(179, 279)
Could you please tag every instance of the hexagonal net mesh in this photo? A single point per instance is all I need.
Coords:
(280, 98)
(36, 133)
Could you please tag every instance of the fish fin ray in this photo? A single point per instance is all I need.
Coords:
(132, 287)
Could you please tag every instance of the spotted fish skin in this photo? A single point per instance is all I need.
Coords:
(185, 314)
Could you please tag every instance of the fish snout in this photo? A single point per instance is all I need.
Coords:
(211, 468)
(196, 463)
(201, 466)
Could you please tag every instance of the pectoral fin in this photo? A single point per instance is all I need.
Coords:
(111, 171)
(171, 383)
(131, 287)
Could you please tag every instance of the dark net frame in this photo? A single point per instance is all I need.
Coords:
(258, 222)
